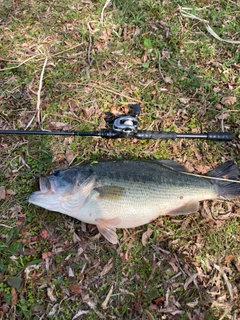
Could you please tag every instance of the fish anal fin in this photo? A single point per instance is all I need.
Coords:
(109, 233)
(110, 192)
(187, 208)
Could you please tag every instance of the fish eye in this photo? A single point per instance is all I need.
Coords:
(56, 173)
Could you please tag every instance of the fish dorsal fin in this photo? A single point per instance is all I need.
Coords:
(107, 228)
(172, 165)
(187, 208)
(110, 192)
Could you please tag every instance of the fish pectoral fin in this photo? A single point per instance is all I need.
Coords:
(111, 223)
(110, 192)
(109, 233)
(187, 208)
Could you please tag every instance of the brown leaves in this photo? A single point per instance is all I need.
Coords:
(2, 193)
(44, 234)
(146, 235)
(228, 101)
(75, 288)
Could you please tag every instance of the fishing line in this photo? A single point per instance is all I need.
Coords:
(209, 177)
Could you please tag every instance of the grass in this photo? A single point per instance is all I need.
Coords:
(143, 52)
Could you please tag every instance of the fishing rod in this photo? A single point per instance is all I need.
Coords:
(126, 126)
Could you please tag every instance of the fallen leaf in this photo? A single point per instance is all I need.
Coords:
(106, 268)
(15, 282)
(168, 80)
(46, 255)
(190, 280)
(2, 193)
(228, 258)
(192, 304)
(229, 100)
(69, 156)
(54, 310)
(58, 125)
(75, 288)
(79, 313)
(50, 295)
(11, 192)
(159, 300)
(146, 235)
(184, 100)
(14, 298)
(44, 234)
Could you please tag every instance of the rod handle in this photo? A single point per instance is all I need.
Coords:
(220, 136)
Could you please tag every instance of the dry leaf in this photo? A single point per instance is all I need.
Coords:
(184, 100)
(2, 193)
(50, 295)
(190, 280)
(229, 100)
(14, 297)
(11, 192)
(79, 313)
(46, 255)
(69, 156)
(44, 234)
(58, 125)
(75, 288)
(107, 268)
(168, 80)
(146, 235)
(228, 258)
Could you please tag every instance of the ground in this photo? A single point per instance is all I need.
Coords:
(66, 65)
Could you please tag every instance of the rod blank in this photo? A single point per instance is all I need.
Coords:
(140, 134)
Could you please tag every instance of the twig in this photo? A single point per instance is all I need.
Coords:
(184, 13)
(113, 91)
(5, 226)
(89, 58)
(93, 84)
(104, 7)
(38, 108)
(105, 302)
(4, 69)
(66, 50)
(159, 65)
(50, 56)
(89, 51)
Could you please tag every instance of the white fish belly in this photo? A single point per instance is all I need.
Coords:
(136, 209)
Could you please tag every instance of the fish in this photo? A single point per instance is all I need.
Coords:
(131, 193)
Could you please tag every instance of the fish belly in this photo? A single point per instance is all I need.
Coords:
(141, 205)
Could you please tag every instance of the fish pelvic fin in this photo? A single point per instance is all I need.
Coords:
(227, 171)
(187, 208)
(107, 228)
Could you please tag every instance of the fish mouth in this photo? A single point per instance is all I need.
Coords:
(46, 185)
(46, 196)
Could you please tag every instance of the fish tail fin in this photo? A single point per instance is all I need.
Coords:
(227, 171)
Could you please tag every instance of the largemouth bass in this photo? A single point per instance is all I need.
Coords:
(126, 194)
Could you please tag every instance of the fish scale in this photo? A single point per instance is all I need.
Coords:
(126, 194)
